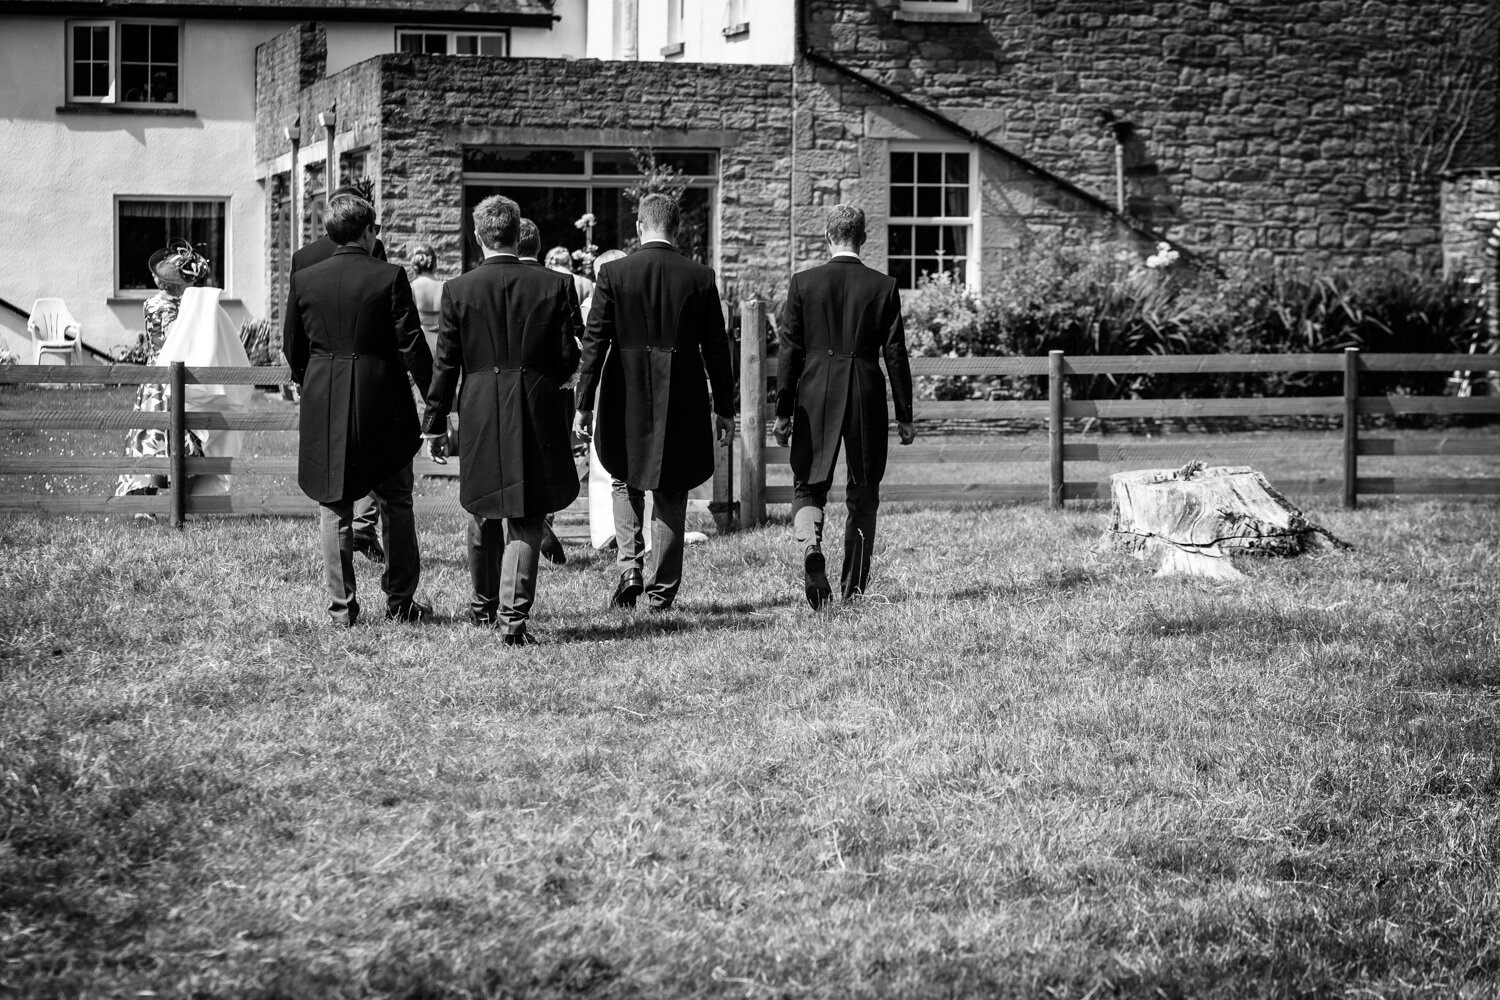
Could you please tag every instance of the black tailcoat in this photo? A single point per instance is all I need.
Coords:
(510, 330)
(655, 344)
(840, 317)
(351, 336)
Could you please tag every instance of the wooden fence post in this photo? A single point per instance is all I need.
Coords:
(752, 413)
(1351, 427)
(1055, 428)
(176, 435)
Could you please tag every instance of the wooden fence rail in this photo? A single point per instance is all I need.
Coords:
(1057, 452)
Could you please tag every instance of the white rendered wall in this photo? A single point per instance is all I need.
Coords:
(61, 173)
(770, 40)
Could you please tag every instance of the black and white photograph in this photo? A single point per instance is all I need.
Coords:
(749, 499)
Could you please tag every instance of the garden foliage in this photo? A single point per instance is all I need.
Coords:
(1103, 300)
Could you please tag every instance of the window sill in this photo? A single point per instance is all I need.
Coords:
(132, 109)
(938, 16)
(134, 297)
(737, 30)
(675, 49)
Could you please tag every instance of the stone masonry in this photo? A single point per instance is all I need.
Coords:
(1273, 127)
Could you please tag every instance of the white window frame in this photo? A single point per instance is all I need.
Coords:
(114, 97)
(938, 6)
(453, 34)
(736, 18)
(972, 221)
(224, 265)
(676, 23)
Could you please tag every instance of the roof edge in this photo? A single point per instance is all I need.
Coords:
(391, 10)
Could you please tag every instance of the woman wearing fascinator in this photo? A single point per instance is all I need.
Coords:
(185, 322)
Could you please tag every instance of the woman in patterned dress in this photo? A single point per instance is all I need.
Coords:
(174, 268)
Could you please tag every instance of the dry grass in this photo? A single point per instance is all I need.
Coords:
(1018, 769)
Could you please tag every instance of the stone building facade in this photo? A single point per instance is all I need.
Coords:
(1239, 132)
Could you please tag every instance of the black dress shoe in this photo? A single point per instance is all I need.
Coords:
(411, 611)
(521, 638)
(552, 549)
(815, 578)
(371, 549)
(628, 589)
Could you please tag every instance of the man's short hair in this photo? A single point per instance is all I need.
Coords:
(846, 226)
(347, 217)
(529, 240)
(497, 220)
(659, 213)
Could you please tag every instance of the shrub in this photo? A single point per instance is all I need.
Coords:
(1102, 300)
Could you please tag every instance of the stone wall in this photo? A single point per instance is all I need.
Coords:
(284, 66)
(433, 106)
(1274, 127)
(1471, 213)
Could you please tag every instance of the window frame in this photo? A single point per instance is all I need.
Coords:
(587, 180)
(938, 6)
(452, 35)
(972, 221)
(114, 24)
(224, 265)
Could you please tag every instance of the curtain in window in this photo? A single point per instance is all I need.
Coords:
(146, 226)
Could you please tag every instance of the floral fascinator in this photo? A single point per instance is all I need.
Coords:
(180, 256)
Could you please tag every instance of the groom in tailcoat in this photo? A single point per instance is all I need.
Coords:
(510, 329)
(654, 346)
(839, 319)
(352, 334)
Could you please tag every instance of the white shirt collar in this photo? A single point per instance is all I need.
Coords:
(848, 253)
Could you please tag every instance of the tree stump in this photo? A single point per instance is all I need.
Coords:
(1197, 518)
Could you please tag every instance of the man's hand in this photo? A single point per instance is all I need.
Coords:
(782, 430)
(583, 425)
(908, 431)
(723, 428)
(437, 448)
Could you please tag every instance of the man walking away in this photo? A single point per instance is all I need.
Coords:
(509, 329)
(838, 320)
(366, 508)
(352, 334)
(655, 343)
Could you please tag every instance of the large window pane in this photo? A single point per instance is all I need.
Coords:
(146, 226)
(90, 76)
(148, 63)
(135, 43)
(553, 209)
(522, 160)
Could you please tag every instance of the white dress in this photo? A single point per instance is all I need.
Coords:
(203, 336)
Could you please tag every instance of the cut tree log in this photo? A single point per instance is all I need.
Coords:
(1198, 518)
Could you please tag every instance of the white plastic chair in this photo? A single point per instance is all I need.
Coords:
(54, 331)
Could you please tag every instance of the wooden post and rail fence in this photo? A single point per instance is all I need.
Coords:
(754, 453)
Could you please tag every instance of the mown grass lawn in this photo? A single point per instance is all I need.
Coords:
(1018, 769)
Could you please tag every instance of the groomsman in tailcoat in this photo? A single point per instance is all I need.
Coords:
(510, 329)
(366, 508)
(840, 317)
(528, 245)
(352, 335)
(655, 344)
